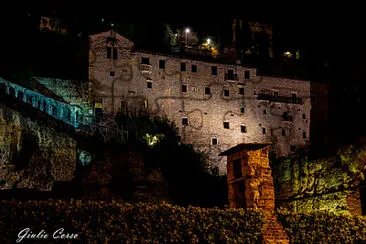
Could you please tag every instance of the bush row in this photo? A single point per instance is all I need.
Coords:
(324, 227)
(131, 223)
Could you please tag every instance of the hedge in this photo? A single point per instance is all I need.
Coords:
(323, 227)
(131, 223)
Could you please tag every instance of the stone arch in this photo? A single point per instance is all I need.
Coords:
(20, 95)
(11, 91)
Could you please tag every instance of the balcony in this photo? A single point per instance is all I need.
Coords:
(146, 69)
(280, 99)
(231, 77)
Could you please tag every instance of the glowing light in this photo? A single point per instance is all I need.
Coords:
(208, 41)
(187, 30)
(287, 53)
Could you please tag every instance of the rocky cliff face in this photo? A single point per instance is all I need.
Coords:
(33, 155)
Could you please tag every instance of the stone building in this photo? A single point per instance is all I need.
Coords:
(215, 106)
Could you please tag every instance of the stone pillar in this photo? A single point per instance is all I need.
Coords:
(250, 183)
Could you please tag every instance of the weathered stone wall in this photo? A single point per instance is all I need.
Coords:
(322, 184)
(33, 155)
(206, 113)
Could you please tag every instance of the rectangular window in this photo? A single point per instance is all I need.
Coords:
(149, 84)
(226, 93)
(237, 169)
(194, 68)
(242, 110)
(303, 116)
(161, 64)
(145, 60)
(109, 52)
(182, 66)
(304, 134)
(294, 99)
(275, 95)
(283, 132)
(115, 53)
(184, 88)
(264, 111)
(243, 129)
(264, 131)
(241, 91)
(214, 141)
(111, 73)
(207, 90)
(285, 116)
(185, 121)
(226, 125)
(292, 148)
(214, 70)
(124, 107)
(230, 74)
(247, 74)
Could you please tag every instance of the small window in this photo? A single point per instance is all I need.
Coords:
(146, 103)
(184, 88)
(149, 84)
(115, 53)
(264, 111)
(243, 129)
(264, 131)
(185, 121)
(292, 148)
(304, 134)
(161, 64)
(226, 125)
(145, 60)
(214, 70)
(124, 107)
(111, 73)
(242, 110)
(285, 115)
(194, 68)
(182, 66)
(303, 116)
(241, 91)
(283, 132)
(294, 98)
(207, 90)
(109, 52)
(275, 95)
(247, 74)
(226, 93)
(214, 141)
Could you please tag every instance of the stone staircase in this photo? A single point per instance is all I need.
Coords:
(272, 230)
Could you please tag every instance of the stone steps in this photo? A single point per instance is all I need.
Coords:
(272, 230)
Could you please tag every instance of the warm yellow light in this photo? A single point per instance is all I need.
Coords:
(208, 41)
(287, 53)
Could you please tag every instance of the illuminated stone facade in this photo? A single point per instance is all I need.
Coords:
(215, 106)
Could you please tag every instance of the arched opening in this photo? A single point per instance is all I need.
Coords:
(20, 95)
(39, 104)
(44, 106)
(11, 91)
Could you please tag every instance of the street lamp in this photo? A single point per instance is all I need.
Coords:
(208, 41)
(187, 30)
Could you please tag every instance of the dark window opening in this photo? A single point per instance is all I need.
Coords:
(292, 148)
(214, 70)
(184, 88)
(184, 121)
(115, 53)
(226, 125)
(264, 131)
(20, 95)
(243, 129)
(246, 74)
(294, 98)
(230, 74)
(241, 91)
(207, 90)
(149, 84)
(214, 141)
(285, 115)
(111, 73)
(237, 169)
(226, 93)
(182, 66)
(264, 111)
(124, 107)
(194, 68)
(242, 110)
(303, 116)
(161, 64)
(145, 60)
(283, 132)
(109, 52)
(303, 134)
(275, 95)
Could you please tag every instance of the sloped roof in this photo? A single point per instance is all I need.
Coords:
(245, 146)
(111, 33)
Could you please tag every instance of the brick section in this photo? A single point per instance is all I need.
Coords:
(354, 202)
